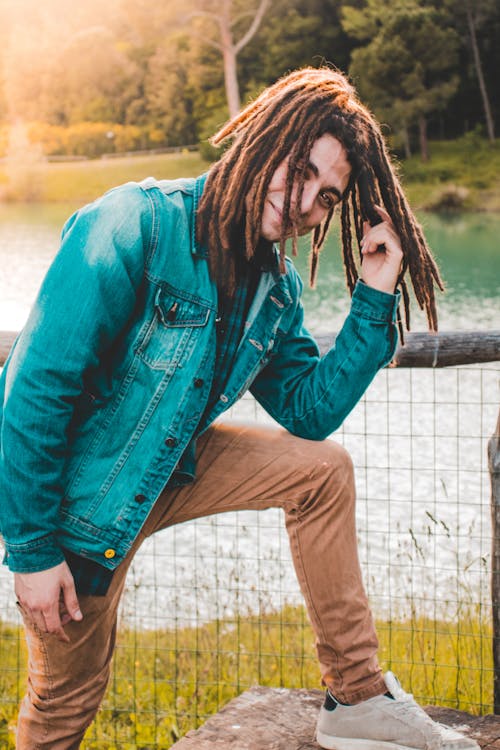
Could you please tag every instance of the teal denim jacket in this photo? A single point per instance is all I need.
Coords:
(107, 382)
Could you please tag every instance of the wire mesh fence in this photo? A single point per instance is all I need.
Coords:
(213, 606)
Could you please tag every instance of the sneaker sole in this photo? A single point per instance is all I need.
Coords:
(349, 743)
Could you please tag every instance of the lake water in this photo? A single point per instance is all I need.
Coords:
(467, 248)
(418, 441)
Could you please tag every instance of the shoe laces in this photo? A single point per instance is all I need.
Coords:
(406, 705)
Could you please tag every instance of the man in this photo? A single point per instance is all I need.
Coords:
(166, 302)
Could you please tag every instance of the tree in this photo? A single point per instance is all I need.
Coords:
(228, 21)
(406, 68)
(169, 94)
(29, 51)
(91, 79)
(474, 14)
(296, 33)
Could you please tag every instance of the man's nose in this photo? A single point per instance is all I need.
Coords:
(308, 199)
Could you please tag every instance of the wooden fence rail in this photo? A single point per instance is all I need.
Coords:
(445, 349)
(436, 350)
(420, 349)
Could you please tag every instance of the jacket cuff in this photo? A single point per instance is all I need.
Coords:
(33, 556)
(373, 304)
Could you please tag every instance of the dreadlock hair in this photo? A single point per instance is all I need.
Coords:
(285, 121)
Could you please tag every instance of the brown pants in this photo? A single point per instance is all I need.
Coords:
(239, 468)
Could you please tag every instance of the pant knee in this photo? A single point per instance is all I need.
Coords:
(330, 459)
(327, 474)
(337, 456)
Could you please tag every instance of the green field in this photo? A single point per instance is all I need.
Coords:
(81, 181)
(461, 175)
(166, 682)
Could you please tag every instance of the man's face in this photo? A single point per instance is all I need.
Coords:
(326, 177)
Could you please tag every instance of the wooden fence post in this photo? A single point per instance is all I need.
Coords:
(494, 467)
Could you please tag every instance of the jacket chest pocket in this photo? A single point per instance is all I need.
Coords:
(170, 336)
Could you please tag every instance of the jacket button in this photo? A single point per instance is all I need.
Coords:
(171, 442)
(109, 553)
(198, 383)
(140, 498)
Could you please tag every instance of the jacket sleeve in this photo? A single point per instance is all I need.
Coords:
(86, 298)
(311, 395)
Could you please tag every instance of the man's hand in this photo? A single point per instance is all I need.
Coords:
(380, 267)
(49, 598)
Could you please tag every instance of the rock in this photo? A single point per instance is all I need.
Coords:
(484, 729)
(283, 719)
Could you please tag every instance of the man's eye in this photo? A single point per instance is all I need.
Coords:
(327, 199)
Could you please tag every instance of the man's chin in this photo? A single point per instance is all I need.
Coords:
(274, 235)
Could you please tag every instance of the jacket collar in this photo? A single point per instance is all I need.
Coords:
(199, 250)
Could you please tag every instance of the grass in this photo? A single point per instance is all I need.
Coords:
(82, 181)
(166, 682)
(463, 174)
(468, 167)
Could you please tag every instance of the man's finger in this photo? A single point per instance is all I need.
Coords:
(53, 622)
(71, 600)
(381, 234)
(65, 618)
(376, 239)
(383, 214)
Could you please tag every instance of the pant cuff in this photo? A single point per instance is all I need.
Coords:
(376, 687)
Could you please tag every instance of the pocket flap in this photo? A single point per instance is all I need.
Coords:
(178, 312)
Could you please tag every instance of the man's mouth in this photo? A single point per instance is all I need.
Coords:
(277, 212)
(289, 227)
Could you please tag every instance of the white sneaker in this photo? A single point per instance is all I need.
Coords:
(392, 721)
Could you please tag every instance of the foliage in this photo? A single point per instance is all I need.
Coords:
(469, 161)
(129, 63)
(92, 138)
(405, 71)
(295, 35)
(478, 24)
(166, 682)
(168, 96)
(227, 27)
(101, 87)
